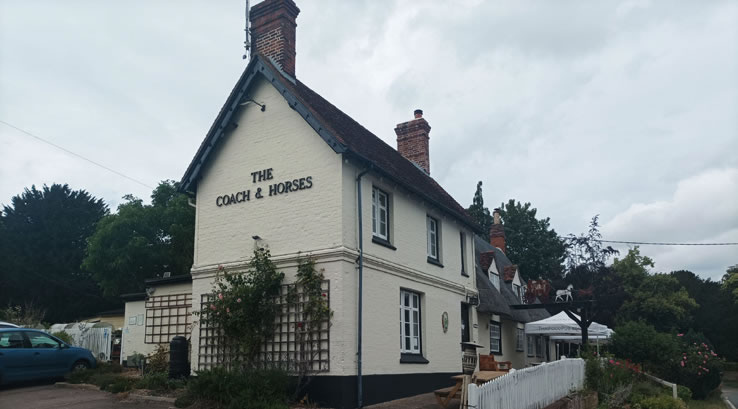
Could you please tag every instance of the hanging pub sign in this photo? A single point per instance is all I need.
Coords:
(272, 189)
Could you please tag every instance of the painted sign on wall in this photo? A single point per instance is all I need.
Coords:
(273, 189)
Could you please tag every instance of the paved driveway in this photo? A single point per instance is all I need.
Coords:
(730, 390)
(48, 396)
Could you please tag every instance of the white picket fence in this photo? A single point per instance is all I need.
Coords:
(529, 388)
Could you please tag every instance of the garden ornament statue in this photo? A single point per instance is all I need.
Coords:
(564, 295)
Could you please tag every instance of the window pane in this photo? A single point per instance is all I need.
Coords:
(407, 299)
(42, 341)
(415, 319)
(415, 301)
(11, 340)
(407, 343)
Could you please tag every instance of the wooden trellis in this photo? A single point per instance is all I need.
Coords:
(292, 347)
(168, 316)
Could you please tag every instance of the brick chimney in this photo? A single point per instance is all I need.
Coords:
(497, 232)
(273, 32)
(412, 140)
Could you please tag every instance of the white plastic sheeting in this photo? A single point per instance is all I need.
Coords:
(561, 324)
(530, 388)
(93, 336)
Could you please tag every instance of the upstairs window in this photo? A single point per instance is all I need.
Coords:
(432, 227)
(516, 290)
(494, 278)
(380, 214)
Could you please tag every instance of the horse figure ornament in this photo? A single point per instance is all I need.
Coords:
(564, 295)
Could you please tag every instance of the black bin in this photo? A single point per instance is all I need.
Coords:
(179, 367)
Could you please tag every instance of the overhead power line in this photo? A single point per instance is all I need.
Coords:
(75, 154)
(666, 244)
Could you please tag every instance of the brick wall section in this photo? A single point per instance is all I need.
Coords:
(412, 141)
(497, 236)
(273, 27)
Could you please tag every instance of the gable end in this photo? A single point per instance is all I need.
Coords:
(224, 120)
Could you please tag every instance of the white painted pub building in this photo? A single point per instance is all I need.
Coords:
(284, 168)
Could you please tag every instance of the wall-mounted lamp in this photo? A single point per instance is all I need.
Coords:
(246, 102)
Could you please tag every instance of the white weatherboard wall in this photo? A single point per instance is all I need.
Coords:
(132, 337)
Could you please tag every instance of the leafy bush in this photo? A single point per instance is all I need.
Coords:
(159, 381)
(662, 402)
(135, 360)
(88, 375)
(640, 342)
(608, 375)
(64, 336)
(684, 393)
(158, 360)
(239, 389)
(238, 305)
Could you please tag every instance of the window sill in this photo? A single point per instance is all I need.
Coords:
(435, 262)
(413, 359)
(465, 274)
(383, 242)
(495, 353)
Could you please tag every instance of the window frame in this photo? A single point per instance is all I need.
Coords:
(432, 239)
(411, 309)
(498, 325)
(376, 208)
(519, 339)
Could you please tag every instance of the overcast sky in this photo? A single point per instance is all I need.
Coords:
(624, 109)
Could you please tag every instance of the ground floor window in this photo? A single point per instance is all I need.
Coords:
(495, 337)
(531, 345)
(539, 347)
(519, 339)
(410, 339)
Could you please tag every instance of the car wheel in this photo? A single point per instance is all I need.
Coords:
(80, 365)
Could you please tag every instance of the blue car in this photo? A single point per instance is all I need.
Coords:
(29, 354)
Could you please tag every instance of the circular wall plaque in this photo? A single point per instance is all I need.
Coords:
(444, 321)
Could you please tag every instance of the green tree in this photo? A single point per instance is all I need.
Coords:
(730, 282)
(479, 213)
(716, 315)
(531, 243)
(43, 237)
(142, 241)
(587, 270)
(658, 299)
